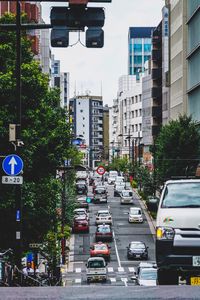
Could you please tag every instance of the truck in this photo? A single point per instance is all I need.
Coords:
(96, 269)
(178, 233)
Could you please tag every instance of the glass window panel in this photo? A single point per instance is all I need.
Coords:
(192, 6)
(194, 67)
(146, 57)
(137, 48)
(147, 48)
(193, 32)
(137, 59)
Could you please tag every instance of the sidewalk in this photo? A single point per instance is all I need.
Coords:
(68, 266)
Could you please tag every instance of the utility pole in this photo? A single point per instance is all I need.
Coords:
(63, 242)
(18, 200)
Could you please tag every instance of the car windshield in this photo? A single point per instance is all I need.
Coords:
(134, 211)
(137, 246)
(148, 274)
(100, 247)
(184, 195)
(127, 194)
(103, 229)
(96, 264)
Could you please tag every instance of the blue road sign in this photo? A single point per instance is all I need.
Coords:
(12, 165)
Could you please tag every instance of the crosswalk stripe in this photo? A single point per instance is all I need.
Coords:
(131, 269)
(78, 280)
(120, 269)
(113, 279)
(110, 269)
(78, 270)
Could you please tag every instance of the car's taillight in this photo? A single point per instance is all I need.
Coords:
(108, 233)
(98, 233)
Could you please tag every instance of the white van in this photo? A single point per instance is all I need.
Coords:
(96, 269)
(135, 215)
(178, 232)
(126, 197)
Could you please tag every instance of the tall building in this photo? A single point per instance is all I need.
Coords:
(177, 56)
(193, 58)
(106, 125)
(60, 80)
(87, 119)
(139, 49)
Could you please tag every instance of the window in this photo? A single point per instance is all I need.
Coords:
(137, 59)
(146, 57)
(140, 125)
(136, 127)
(132, 114)
(125, 116)
(136, 113)
(140, 97)
(83, 118)
(132, 100)
(147, 47)
(125, 129)
(136, 99)
(83, 125)
(79, 103)
(132, 128)
(125, 143)
(140, 112)
(81, 111)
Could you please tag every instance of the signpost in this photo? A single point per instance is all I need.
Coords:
(101, 170)
(12, 165)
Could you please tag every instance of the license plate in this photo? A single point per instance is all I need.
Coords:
(195, 280)
(196, 261)
(137, 256)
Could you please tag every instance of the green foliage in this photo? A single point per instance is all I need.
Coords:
(145, 180)
(134, 184)
(177, 148)
(46, 136)
(119, 164)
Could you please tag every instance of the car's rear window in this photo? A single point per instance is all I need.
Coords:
(100, 247)
(96, 264)
(104, 229)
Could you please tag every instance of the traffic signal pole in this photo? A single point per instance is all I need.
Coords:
(18, 198)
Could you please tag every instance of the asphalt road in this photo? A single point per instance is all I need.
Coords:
(120, 269)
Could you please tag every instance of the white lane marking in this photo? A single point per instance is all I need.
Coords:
(78, 270)
(110, 269)
(120, 269)
(78, 280)
(116, 250)
(113, 279)
(124, 281)
(132, 270)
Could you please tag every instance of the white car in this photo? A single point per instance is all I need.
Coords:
(96, 269)
(135, 215)
(111, 179)
(80, 212)
(103, 217)
(126, 197)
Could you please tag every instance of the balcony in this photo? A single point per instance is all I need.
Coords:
(156, 55)
(157, 111)
(156, 73)
(156, 92)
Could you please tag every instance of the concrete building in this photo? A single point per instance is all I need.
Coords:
(87, 120)
(177, 56)
(106, 124)
(165, 65)
(60, 80)
(139, 49)
(193, 58)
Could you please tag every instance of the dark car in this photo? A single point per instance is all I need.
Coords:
(103, 233)
(80, 224)
(100, 195)
(137, 250)
(81, 188)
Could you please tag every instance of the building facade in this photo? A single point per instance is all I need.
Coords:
(106, 125)
(139, 49)
(193, 58)
(87, 120)
(177, 58)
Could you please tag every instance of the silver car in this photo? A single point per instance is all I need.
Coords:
(126, 197)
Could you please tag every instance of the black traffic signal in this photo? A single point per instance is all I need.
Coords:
(60, 37)
(94, 37)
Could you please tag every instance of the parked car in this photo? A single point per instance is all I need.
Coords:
(135, 215)
(137, 250)
(96, 269)
(103, 217)
(81, 188)
(100, 250)
(117, 191)
(100, 195)
(103, 233)
(80, 224)
(126, 197)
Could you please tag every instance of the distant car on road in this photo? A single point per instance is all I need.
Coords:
(81, 202)
(126, 197)
(100, 250)
(103, 233)
(100, 195)
(117, 190)
(103, 217)
(96, 269)
(135, 215)
(81, 212)
(81, 188)
(137, 250)
(80, 224)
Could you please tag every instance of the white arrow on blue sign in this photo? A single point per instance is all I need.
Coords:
(12, 165)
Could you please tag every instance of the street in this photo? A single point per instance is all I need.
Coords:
(120, 269)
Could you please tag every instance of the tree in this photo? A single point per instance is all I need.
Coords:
(176, 150)
(46, 136)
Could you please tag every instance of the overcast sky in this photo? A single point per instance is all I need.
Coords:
(89, 67)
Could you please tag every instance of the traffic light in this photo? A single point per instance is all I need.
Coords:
(60, 37)
(94, 37)
(76, 18)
